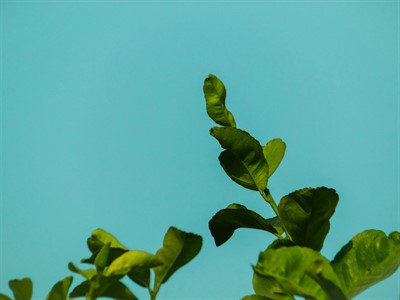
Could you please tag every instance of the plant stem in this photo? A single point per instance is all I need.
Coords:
(268, 198)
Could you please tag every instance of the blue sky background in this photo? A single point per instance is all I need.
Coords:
(103, 124)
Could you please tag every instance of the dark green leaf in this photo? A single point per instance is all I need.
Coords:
(178, 249)
(100, 286)
(244, 160)
(256, 297)
(367, 259)
(306, 213)
(280, 274)
(4, 297)
(276, 223)
(274, 152)
(235, 216)
(215, 94)
(88, 274)
(102, 257)
(140, 275)
(60, 289)
(21, 288)
(131, 259)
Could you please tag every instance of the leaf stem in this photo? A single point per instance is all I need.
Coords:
(268, 198)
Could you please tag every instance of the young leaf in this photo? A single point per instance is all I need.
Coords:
(280, 274)
(306, 213)
(21, 288)
(215, 93)
(123, 264)
(60, 289)
(235, 216)
(244, 160)
(273, 153)
(368, 258)
(101, 237)
(102, 257)
(178, 249)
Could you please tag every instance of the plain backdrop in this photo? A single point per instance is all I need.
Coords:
(103, 124)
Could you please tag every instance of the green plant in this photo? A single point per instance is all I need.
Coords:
(292, 265)
(112, 261)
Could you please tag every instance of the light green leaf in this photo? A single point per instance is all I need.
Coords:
(215, 94)
(226, 221)
(273, 153)
(101, 237)
(4, 297)
(131, 259)
(60, 290)
(306, 213)
(244, 160)
(88, 274)
(21, 288)
(280, 274)
(367, 259)
(178, 249)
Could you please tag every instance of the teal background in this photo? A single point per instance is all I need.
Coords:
(103, 124)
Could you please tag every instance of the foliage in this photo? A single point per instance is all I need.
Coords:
(111, 262)
(292, 265)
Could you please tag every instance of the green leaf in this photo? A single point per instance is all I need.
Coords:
(281, 273)
(21, 288)
(215, 94)
(4, 297)
(123, 264)
(88, 274)
(306, 213)
(367, 259)
(333, 291)
(140, 275)
(101, 237)
(100, 286)
(244, 160)
(178, 249)
(273, 153)
(226, 221)
(102, 257)
(256, 297)
(60, 289)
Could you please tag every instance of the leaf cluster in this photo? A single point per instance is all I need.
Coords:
(111, 261)
(292, 265)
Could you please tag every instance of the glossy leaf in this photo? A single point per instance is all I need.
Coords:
(281, 273)
(123, 264)
(367, 259)
(100, 286)
(273, 153)
(244, 160)
(235, 216)
(306, 213)
(178, 249)
(21, 288)
(88, 274)
(60, 290)
(215, 94)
